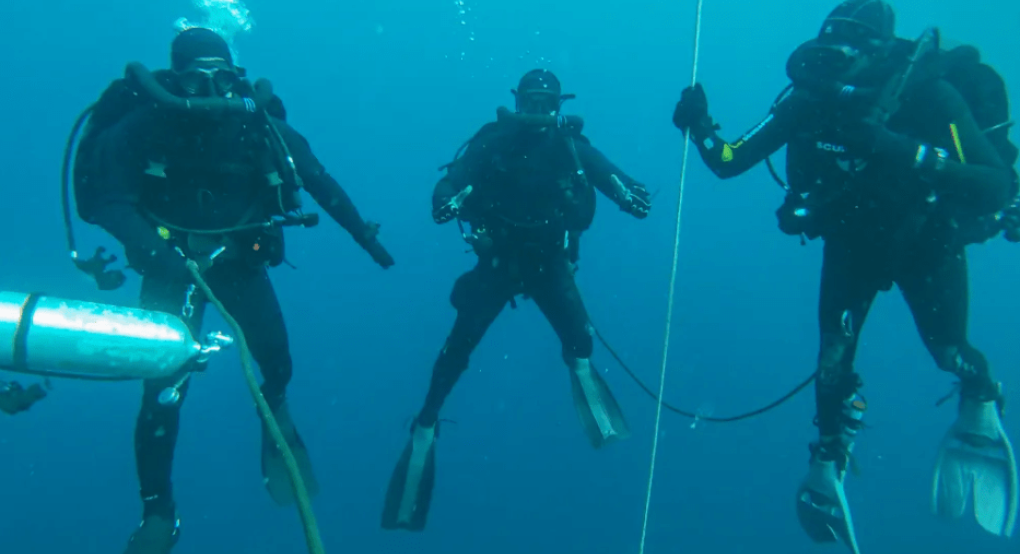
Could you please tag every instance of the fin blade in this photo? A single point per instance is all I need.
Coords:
(995, 488)
(395, 512)
(600, 414)
(277, 477)
(822, 508)
(952, 483)
(977, 463)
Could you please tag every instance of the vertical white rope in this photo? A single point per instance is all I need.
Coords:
(672, 295)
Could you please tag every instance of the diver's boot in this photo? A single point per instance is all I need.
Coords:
(410, 490)
(157, 534)
(976, 461)
(822, 507)
(274, 467)
(601, 417)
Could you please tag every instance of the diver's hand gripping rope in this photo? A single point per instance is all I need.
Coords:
(300, 491)
(672, 286)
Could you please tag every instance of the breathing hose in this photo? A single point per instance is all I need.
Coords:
(311, 528)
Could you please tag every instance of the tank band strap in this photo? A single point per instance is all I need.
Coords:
(20, 357)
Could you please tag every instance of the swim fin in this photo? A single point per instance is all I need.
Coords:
(976, 461)
(410, 490)
(274, 469)
(822, 507)
(601, 416)
(155, 535)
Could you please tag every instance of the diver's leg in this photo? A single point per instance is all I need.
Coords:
(976, 458)
(556, 294)
(157, 426)
(479, 296)
(848, 288)
(935, 288)
(247, 293)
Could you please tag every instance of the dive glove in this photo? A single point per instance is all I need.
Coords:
(635, 200)
(451, 209)
(640, 201)
(691, 109)
(370, 242)
(379, 254)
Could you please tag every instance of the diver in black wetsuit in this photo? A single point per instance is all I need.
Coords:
(887, 164)
(526, 186)
(15, 398)
(214, 187)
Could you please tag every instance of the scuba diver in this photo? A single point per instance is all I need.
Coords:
(898, 157)
(195, 163)
(15, 398)
(526, 187)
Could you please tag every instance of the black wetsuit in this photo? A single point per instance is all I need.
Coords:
(530, 206)
(204, 177)
(883, 222)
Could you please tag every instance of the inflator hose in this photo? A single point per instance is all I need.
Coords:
(141, 75)
(573, 122)
(311, 528)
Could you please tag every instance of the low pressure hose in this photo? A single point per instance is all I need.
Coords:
(311, 528)
(141, 75)
(572, 122)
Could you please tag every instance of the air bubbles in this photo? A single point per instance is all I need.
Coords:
(463, 14)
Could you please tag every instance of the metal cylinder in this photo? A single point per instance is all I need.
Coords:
(42, 335)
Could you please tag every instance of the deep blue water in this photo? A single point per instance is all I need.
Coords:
(385, 91)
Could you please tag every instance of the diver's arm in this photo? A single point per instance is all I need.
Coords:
(973, 176)
(452, 190)
(731, 159)
(630, 195)
(328, 193)
(325, 190)
(728, 160)
(114, 207)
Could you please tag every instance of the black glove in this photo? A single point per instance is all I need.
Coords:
(379, 254)
(370, 242)
(691, 109)
(445, 213)
(640, 201)
(451, 208)
(15, 398)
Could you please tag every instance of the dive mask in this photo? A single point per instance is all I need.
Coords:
(844, 49)
(209, 77)
(817, 61)
(538, 102)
